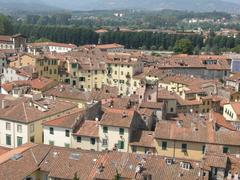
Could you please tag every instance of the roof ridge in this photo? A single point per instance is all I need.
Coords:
(25, 112)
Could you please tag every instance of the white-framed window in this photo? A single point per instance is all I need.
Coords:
(19, 128)
(31, 128)
(8, 126)
(105, 142)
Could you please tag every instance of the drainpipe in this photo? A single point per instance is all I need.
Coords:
(174, 149)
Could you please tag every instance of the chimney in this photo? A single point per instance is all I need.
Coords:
(124, 115)
(4, 104)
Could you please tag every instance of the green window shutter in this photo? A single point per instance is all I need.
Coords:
(8, 139)
(74, 65)
(184, 147)
(19, 141)
(79, 139)
(120, 145)
(203, 149)
(225, 149)
(164, 145)
(121, 131)
(105, 129)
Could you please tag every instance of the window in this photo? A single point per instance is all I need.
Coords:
(120, 145)
(8, 126)
(31, 128)
(51, 143)
(115, 72)
(32, 139)
(164, 145)
(135, 83)
(121, 131)
(92, 141)
(184, 147)
(203, 149)
(82, 79)
(19, 128)
(121, 81)
(66, 145)
(105, 129)
(51, 130)
(146, 150)
(19, 141)
(8, 139)
(74, 65)
(67, 133)
(104, 142)
(79, 139)
(171, 109)
(134, 149)
(149, 97)
(225, 149)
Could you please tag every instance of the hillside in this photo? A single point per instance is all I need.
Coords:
(190, 5)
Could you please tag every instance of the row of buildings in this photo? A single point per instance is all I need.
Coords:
(118, 113)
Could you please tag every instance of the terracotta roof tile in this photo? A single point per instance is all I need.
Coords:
(118, 117)
(236, 107)
(143, 139)
(87, 128)
(67, 121)
(22, 110)
(196, 132)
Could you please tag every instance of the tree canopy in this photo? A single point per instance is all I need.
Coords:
(183, 46)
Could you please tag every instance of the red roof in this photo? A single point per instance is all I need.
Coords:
(109, 46)
(236, 107)
(5, 38)
(40, 83)
(221, 121)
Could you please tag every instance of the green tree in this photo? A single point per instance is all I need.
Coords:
(183, 46)
(236, 49)
(117, 175)
(42, 40)
(75, 176)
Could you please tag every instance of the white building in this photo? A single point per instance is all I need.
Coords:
(50, 47)
(15, 42)
(116, 128)
(3, 62)
(13, 74)
(231, 112)
(86, 136)
(110, 47)
(21, 118)
(58, 132)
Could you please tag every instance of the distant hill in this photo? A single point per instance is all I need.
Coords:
(190, 5)
(25, 5)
